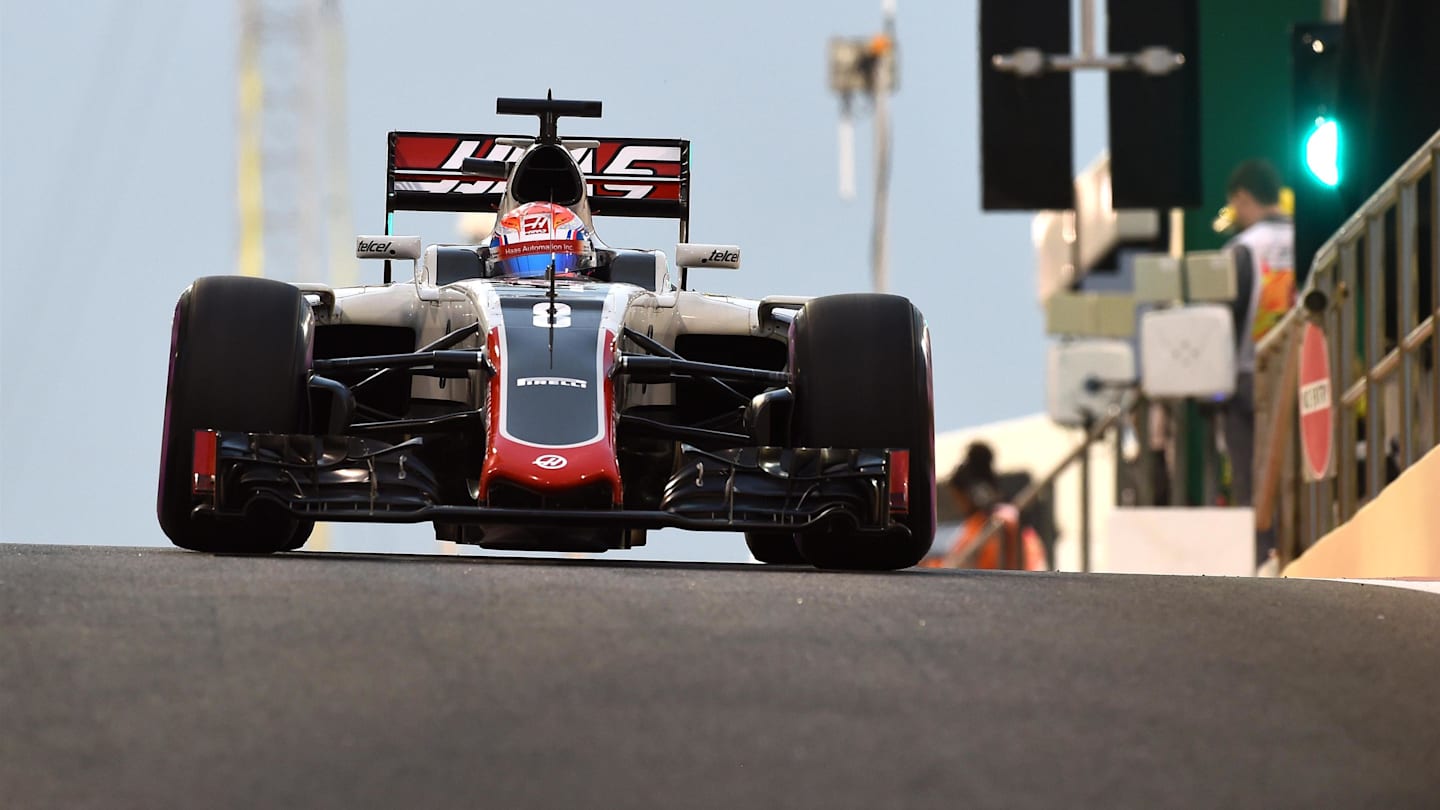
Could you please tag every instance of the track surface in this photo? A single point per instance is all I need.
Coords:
(156, 678)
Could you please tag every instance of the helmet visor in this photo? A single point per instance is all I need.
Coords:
(530, 259)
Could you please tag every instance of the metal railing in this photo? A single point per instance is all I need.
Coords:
(1374, 292)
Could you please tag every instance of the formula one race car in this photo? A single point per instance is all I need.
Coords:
(542, 390)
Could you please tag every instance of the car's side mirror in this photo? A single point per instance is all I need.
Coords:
(387, 247)
(689, 254)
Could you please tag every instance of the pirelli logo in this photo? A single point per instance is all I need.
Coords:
(563, 382)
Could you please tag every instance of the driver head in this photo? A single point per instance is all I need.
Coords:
(529, 237)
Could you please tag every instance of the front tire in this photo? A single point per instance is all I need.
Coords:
(239, 360)
(774, 548)
(861, 371)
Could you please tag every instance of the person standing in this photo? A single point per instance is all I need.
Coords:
(976, 491)
(1264, 254)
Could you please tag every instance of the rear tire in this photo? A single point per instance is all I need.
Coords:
(861, 371)
(774, 548)
(239, 360)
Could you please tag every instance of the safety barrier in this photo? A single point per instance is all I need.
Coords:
(1394, 535)
(1365, 327)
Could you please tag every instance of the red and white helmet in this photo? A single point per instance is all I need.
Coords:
(528, 238)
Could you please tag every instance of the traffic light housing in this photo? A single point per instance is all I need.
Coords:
(1155, 120)
(1025, 126)
(1316, 168)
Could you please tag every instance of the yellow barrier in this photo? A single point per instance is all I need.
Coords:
(1395, 535)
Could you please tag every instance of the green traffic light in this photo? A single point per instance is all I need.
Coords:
(1322, 152)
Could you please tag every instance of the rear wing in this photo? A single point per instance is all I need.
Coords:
(624, 177)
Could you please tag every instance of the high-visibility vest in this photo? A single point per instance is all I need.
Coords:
(1265, 269)
(995, 553)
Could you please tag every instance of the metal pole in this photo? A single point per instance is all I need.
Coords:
(1335, 338)
(1177, 233)
(250, 167)
(1185, 421)
(846, 138)
(1145, 481)
(306, 259)
(1434, 271)
(1085, 497)
(341, 258)
(883, 80)
(1373, 287)
(1407, 280)
(1087, 29)
(1347, 414)
(882, 191)
(1209, 457)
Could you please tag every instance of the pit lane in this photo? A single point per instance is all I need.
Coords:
(145, 677)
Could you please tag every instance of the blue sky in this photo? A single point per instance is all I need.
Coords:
(117, 188)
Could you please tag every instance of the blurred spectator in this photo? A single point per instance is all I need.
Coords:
(1264, 252)
(976, 491)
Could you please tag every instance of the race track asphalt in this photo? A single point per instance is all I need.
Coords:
(152, 678)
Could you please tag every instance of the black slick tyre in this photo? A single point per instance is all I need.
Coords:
(861, 378)
(239, 360)
(774, 548)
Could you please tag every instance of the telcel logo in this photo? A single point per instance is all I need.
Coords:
(721, 256)
(376, 247)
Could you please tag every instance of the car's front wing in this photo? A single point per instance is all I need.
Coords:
(348, 478)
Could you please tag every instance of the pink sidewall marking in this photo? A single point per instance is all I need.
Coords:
(169, 390)
(930, 397)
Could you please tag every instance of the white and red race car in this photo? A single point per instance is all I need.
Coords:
(569, 409)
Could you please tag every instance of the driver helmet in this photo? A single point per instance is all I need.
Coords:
(528, 238)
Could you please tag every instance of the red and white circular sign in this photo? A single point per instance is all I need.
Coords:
(1317, 414)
